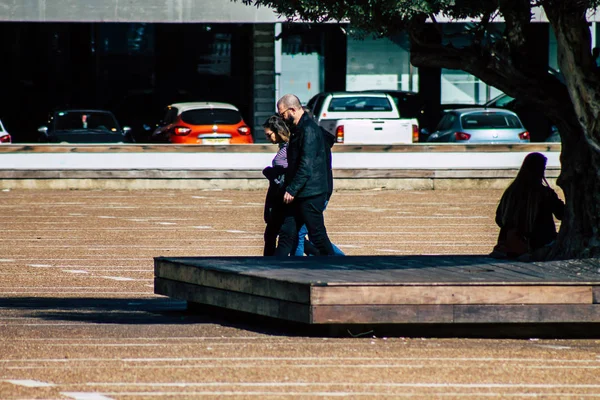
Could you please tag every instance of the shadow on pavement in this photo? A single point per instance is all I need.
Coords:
(166, 311)
(274, 326)
(145, 311)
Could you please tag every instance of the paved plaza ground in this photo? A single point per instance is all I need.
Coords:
(79, 320)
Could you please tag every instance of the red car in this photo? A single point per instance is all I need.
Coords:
(4, 136)
(203, 123)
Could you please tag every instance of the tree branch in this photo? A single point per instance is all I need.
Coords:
(542, 90)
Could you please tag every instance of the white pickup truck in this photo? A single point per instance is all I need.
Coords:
(363, 118)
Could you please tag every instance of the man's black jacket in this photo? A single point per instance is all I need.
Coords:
(307, 173)
(329, 141)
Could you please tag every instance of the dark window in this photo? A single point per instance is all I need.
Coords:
(214, 54)
(408, 106)
(504, 101)
(311, 103)
(446, 122)
(125, 39)
(211, 116)
(300, 38)
(490, 121)
(360, 103)
(319, 105)
(68, 120)
(170, 116)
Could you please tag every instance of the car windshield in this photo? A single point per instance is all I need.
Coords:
(359, 103)
(490, 121)
(84, 120)
(211, 116)
(501, 101)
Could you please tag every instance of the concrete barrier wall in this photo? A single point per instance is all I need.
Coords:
(239, 167)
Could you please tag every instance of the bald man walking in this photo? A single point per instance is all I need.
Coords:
(306, 180)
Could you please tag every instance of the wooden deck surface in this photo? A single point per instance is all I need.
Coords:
(388, 289)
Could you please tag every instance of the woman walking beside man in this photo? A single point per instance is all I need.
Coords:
(283, 218)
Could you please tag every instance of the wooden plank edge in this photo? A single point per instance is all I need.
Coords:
(130, 174)
(536, 313)
(231, 281)
(188, 173)
(458, 294)
(269, 148)
(136, 148)
(462, 283)
(233, 300)
(370, 314)
(456, 314)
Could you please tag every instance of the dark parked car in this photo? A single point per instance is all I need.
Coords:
(480, 125)
(84, 126)
(142, 109)
(538, 125)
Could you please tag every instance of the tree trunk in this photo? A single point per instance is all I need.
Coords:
(579, 235)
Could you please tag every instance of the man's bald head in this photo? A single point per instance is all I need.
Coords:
(289, 100)
(290, 108)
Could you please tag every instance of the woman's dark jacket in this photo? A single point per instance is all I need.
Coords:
(308, 170)
(543, 229)
(276, 176)
(274, 198)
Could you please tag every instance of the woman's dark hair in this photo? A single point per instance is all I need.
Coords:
(532, 169)
(278, 126)
(520, 202)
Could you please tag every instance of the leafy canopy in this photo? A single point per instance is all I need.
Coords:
(386, 16)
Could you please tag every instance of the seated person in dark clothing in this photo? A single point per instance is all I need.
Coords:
(526, 213)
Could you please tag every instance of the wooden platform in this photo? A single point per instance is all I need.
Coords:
(388, 289)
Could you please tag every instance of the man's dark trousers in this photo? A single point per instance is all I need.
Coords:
(309, 211)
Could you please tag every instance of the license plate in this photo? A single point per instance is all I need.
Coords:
(215, 141)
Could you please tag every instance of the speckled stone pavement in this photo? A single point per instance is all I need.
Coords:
(79, 320)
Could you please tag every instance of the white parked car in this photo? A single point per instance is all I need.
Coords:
(363, 118)
(4, 135)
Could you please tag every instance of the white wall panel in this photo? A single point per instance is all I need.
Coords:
(258, 161)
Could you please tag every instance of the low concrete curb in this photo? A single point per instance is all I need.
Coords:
(346, 179)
